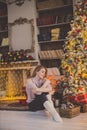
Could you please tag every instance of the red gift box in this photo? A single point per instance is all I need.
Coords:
(81, 98)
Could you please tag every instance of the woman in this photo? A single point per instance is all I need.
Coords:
(39, 92)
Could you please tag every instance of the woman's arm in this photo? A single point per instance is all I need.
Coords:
(46, 87)
(46, 84)
(43, 88)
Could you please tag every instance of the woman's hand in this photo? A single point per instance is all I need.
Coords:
(52, 92)
(47, 82)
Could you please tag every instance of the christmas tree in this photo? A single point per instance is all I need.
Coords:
(74, 61)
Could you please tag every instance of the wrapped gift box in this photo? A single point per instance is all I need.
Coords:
(79, 99)
(83, 108)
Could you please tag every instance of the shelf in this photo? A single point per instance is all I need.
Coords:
(51, 25)
(57, 7)
(3, 26)
(54, 58)
(59, 40)
(51, 54)
(19, 65)
(3, 31)
(17, 68)
(3, 1)
(4, 46)
(3, 16)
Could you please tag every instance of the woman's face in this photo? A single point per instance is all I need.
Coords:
(41, 73)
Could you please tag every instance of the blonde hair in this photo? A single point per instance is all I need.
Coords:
(37, 69)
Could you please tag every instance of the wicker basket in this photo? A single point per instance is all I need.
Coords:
(69, 113)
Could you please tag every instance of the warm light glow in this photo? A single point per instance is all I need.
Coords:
(12, 80)
(12, 98)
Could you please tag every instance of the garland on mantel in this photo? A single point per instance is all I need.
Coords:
(18, 55)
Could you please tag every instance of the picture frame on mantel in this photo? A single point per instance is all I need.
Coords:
(25, 26)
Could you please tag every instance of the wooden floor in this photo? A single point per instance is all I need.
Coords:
(24, 120)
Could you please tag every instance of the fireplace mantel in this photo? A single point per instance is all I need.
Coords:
(13, 78)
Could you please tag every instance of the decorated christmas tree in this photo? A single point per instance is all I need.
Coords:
(74, 61)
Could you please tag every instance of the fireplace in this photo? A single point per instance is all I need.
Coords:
(13, 80)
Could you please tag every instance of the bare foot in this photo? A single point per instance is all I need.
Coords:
(47, 114)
